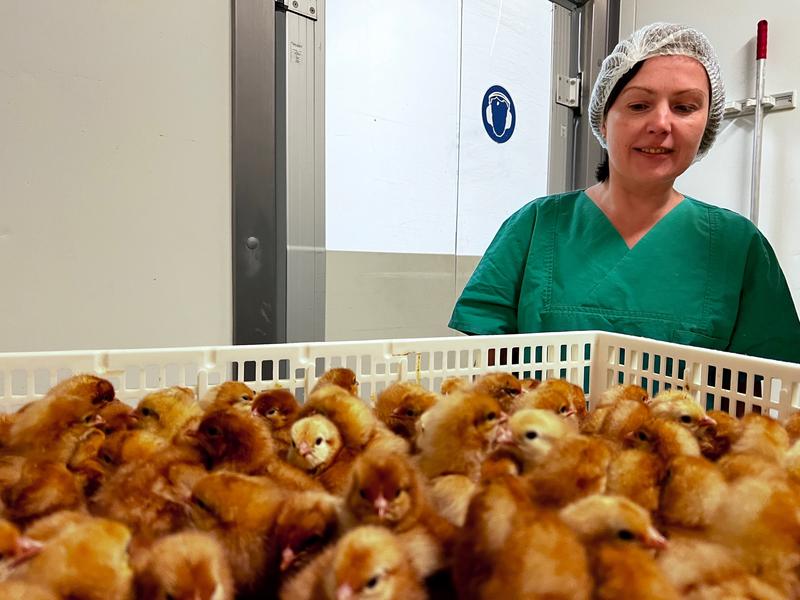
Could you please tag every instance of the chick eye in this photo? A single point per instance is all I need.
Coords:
(642, 436)
(562, 410)
(272, 411)
(398, 492)
(311, 540)
(212, 431)
(294, 445)
(200, 504)
(106, 458)
(363, 494)
(149, 412)
(246, 398)
(410, 412)
(531, 435)
(686, 419)
(624, 534)
(373, 581)
(88, 418)
(491, 416)
(169, 597)
(318, 441)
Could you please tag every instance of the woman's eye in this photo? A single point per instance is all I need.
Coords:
(686, 419)
(685, 108)
(531, 435)
(637, 106)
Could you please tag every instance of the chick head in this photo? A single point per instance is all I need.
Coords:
(479, 421)
(400, 405)
(623, 391)
(117, 416)
(315, 443)
(231, 435)
(680, 407)
(366, 565)
(277, 406)
(306, 523)
(13, 545)
(503, 387)
(96, 390)
(599, 518)
(225, 498)
(229, 394)
(166, 411)
(384, 489)
(534, 431)
(341, 377)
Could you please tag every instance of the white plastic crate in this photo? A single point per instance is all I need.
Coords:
(593, 359)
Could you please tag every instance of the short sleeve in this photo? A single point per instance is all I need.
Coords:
(488, 304)
(767, 323)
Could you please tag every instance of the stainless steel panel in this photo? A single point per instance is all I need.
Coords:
(258, 290)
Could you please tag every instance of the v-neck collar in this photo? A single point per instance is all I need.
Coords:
(617, 235)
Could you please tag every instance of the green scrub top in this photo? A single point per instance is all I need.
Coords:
(703, 276)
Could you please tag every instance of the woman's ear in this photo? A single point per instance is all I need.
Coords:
(603, 128)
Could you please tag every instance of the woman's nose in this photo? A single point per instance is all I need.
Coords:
(659, 121)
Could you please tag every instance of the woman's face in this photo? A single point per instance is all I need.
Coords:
(655, 125)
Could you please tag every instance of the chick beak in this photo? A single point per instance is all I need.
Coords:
(381, 506)
(344, 592)
(304, 449)
(707, 422)
(287, 558)
(504, 435)
(96, 421)
(25, 549)
(570, 412)
(653, 539)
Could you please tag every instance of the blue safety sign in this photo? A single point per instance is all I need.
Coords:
(499, 115)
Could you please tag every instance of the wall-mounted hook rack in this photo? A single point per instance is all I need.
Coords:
(771, 103)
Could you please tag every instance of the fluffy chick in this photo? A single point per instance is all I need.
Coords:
(615, 530)
(169, 413)
(510, 548)
(239, 442)
(279, 408)
(503, 387)
(189, 565)
(24, 590)
(340, 377)
(623, 391)
(461, 430)
(616, 421)
(367, 563)
(229, 394)
(82, 557)
(306, 523)
(762, 436)
(117, 416)
(333, 428)
(44, 487)
(692, 492)
(758, 520)
(792, 426)
(400, 405)
(577, 466)
(240, 511)
(679, 406)
(716, 441)
(667, 439)
(149, 495)
(557, 395)
(534, 432)
(451, 385)
(50, 428)
(387, 490)
(636, 474)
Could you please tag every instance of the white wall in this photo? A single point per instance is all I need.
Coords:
(408, 161)
(723, 177)
(114, 174)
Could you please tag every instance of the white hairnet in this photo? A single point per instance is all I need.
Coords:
(660, 39)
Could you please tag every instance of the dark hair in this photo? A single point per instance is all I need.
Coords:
(602, 172)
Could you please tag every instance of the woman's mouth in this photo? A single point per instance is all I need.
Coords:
(654, 150)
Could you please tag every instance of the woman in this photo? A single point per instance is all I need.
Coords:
(631, 254)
